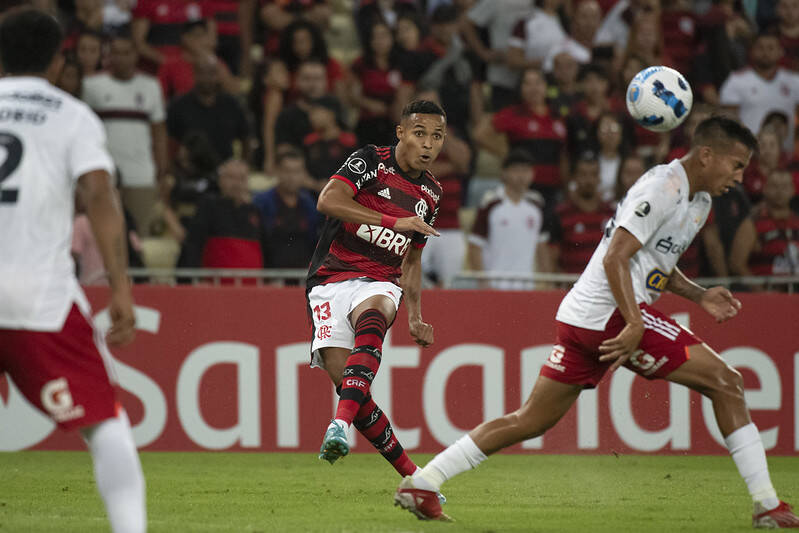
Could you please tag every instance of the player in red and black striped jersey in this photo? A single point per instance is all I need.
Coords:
(380, 209)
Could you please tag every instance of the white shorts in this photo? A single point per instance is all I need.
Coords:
(330, 306)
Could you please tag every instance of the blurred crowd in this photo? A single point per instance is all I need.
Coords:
(226, 118)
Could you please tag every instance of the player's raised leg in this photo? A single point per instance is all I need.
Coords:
(547, 404)
(706, 373)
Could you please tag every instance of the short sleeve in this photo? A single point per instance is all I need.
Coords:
(483, 12)
(157, 113)
(355, 171)
(87, 150)
(729, 94)
(645, 209)
(479, 234)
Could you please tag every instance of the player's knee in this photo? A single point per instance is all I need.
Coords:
(728, 383)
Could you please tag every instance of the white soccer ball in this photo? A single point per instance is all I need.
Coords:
(659, 98)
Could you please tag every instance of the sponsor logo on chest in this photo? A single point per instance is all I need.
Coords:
(384, 238)
(372, 174)
(430, 193)
(656, 280)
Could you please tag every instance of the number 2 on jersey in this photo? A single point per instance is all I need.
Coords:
(13, 148)
(322, 311)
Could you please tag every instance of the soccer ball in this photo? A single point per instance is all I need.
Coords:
(659, 98)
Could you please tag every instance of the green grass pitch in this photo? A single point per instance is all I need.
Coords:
(243, 492)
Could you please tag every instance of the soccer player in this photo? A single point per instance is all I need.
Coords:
(381, 206)
(606, 321)
(53, 144)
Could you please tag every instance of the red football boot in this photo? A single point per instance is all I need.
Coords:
(780, 517)
(423, 503)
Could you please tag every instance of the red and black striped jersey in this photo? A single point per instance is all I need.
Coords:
(578, 233)
(778, 244)
(349, 250)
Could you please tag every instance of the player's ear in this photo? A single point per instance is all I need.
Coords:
(399, 131)
(705, 155)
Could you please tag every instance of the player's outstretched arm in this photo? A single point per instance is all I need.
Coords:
(411, 283)
(623, 246)
(717, 301)
(336, 200)
(108, 224)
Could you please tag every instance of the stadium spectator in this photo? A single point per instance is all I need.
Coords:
(176, 73)
(678, 23)
(379, 206)
(614, 29)
(444, 256)
(646, 41)
(208, 110)
(497, 18)
(328, 144)
(292, 124)
(300, 42)
(70, 79)
(226, 231)
(48, 342)
(233, 19)
(630, 169)
(770, 157)
(371, 12)
(606, 321)
(288, 214)
(579, 221)
(510, 231)
(117, 14)
(89, 52)
(767, 244)
(376, 77)
(580, 40)
(596, 100)
(611, 147)
(788, 27)
(156, 28)
(194, 176)
(765, 87)
(530, 126)
(442, 65)
(276, 15)
(87, 18)
(562, 88)
(132, 110)
(534, 35)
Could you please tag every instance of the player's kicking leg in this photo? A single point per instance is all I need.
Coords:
(547, 404)
(706, 373)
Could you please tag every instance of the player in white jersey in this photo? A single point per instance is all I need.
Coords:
(52, 146)
(606, 321)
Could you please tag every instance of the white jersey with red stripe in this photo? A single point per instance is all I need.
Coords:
(48, 139)
(659, 213)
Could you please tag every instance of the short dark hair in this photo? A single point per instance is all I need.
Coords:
(425, 107)
(29, 40)
(584, 156)
(595, 69)
(518, 156)
(720, 130)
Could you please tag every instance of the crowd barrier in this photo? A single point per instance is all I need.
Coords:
(226, 368)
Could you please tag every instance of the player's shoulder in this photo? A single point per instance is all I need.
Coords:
(534, 198)
(663, 182)
(431, 181)
(492, 198)
(367, 153)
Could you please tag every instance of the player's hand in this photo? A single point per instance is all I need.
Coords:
(415, 224)
(421, 332)
(621, 347)
(720, 303)
(123, 321)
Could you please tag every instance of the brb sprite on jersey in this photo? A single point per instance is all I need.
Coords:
(48, 139)
(347, 250)
(658, 212)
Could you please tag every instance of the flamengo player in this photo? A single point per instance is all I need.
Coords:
(381, 206)
(53, 144)
(606, 321)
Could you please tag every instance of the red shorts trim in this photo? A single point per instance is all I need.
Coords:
(575, 356)
(62, 373)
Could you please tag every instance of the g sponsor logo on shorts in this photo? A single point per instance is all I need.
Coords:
(647, 363)
(57, 399)
(656, 280)
(556, 358)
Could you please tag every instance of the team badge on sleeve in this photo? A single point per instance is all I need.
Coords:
(643, 209)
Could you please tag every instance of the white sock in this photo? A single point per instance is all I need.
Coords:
(747, 451)
(118, 473)
(461, 456)
(342, 424)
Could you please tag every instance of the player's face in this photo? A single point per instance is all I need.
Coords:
(725, 167)
(422, 136)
